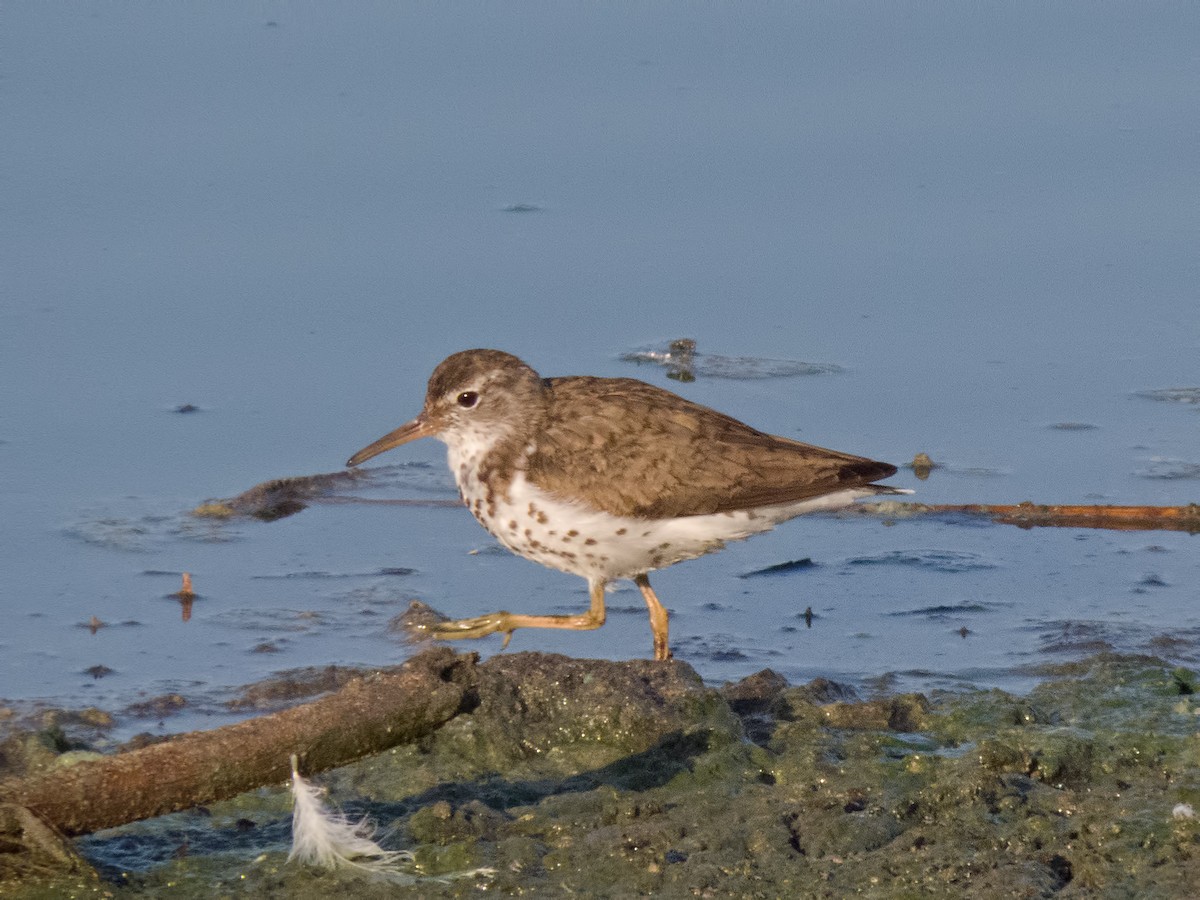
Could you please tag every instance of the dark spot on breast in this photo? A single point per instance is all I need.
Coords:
(572, 533)
(621, 531)
(541, 518)
(512, 524)
(590, 542)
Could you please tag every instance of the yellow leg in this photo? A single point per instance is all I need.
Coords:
(658, 617)
(507, 623)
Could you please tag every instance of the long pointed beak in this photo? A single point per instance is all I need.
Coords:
(409, 431)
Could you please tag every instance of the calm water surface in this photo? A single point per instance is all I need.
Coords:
(286, 215)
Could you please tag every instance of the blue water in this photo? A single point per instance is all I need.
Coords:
(287, 214)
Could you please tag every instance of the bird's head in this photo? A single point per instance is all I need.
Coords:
(475, 396)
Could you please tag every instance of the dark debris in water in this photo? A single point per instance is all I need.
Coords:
(783, 568)
(684, 362)
(1073, 426)
(279, 497)
(942, 610)
(283, 497)
(94, 624)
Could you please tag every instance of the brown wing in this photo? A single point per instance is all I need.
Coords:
(641, 451)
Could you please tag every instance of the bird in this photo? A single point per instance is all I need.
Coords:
(611, 478)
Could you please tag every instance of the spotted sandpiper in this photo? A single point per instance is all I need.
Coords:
(611, 478)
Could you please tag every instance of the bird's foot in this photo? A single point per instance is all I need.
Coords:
(476, 627)
(422, 622)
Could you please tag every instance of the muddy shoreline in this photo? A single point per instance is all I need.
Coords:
(628, 778)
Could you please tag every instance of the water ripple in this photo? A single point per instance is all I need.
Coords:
(937, 560)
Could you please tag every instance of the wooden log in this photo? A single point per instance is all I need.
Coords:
(368, 715)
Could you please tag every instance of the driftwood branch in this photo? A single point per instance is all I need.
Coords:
(1031, 515)
(1117, 518)
(368, 715)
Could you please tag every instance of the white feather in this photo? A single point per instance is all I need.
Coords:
(328, 839)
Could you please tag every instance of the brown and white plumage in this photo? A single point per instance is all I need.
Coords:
(611, 477)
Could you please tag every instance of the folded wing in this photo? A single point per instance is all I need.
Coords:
(650, 454)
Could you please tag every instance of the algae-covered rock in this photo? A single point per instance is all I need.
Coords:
(605, 779)
(440, 823)
(544, 715)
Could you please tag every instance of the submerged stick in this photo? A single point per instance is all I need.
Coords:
(368, 715)
(1030, 515)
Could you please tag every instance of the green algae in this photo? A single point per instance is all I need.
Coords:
(624, 779)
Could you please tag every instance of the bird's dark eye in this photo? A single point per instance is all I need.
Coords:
(467, 399)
